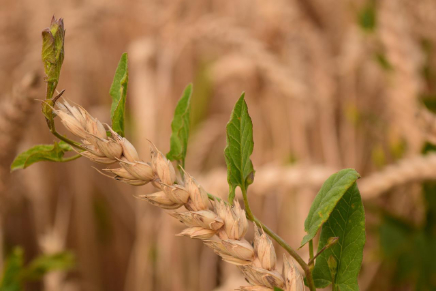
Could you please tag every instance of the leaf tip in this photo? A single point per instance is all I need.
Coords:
(250, 178)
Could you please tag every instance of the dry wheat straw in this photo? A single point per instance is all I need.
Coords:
(14, 114)
(52, 241)
(224, 32)
(221, 227)
(13, 117)
(414, 169)
(406, 59)
(271, 178)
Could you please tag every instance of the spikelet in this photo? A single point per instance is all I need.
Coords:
(240, 249)
(162, 167)
(121, 172)
(96, 158)
(78, 121)
(198, 196)
(129, 151)
(204, 218)
(198, 233)
(175, 193)
(235, 221)
(109, 147)
(160, 199)
(264, 249)
(138, 169)
(219, 249)
(124, 176)
(72, 124)
(293, 279)
(261, 277)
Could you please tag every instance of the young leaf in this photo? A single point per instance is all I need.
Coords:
(180, 128)
(11, 275)
(45, 152)
(325, 201)
(52, 55)
(47, 263)
(347, 221)
(118, 93)
(240, 144)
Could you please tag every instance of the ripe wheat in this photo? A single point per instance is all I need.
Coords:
(220, 226)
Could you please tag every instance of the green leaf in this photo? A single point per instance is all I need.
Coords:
(118, 93)
(347, 221)
(395, 236)
(409, 252)
(46, 263)
(11, 280)
(46, 152)
(240, 171)
(180, 128)
(277, 289)
(325, 201)
(367, 17)
(53, 53)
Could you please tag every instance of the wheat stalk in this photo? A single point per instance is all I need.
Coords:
(406, 59)
(222, 31)
(14, 114)
(414, 169)
(53, 240)
(270, 178)
(220, 226)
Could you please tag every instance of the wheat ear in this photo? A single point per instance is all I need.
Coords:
(220, 226)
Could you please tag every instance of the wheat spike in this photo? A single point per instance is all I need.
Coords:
(221, 227)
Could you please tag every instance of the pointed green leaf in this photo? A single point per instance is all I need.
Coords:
(347, 221)
(52, 54)
(240, 171)
(180, 128)
(118, 93)
(325, 201)
(11, 280)
(46, 263)
(46, 152)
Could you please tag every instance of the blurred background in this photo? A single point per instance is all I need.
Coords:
(329, 85)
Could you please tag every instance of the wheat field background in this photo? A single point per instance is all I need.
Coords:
(329, 85)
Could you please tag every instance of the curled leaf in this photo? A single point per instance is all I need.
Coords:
(45, 152)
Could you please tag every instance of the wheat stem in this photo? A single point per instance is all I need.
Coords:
(280, 241)
(67, 140)
(328, 245)
(75, 157)
(311, 258)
